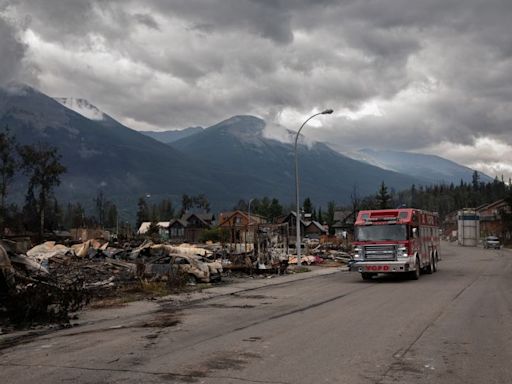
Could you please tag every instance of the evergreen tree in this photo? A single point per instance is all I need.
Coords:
(475, 180)
(414, 197)
(275, 210)
(383, 197)
(166, 210)
(242, 205)
(187, 203)
(201, 202)
(307, 206)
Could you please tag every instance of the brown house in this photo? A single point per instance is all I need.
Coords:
(491, 221)
(241, 227)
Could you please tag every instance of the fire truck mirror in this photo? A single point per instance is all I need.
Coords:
(415, 232)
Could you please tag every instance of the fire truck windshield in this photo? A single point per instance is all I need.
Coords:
(381, 232)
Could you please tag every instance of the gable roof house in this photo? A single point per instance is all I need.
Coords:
(240, 225)
(177, 230)
(343, 223)
(309, 229)
(195, 225)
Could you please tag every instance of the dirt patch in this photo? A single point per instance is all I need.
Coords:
(162, 320)
(218, 362)
(221, 363)
(256, 297)
(253, 339)
(242, 306)
(192, 377)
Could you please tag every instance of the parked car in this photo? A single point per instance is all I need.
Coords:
(197, 268)
(492, 242)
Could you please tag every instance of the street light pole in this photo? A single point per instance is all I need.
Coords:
(249, 220)
(297, 213)
(249, 217)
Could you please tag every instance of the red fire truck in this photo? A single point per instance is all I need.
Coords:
(401, 240)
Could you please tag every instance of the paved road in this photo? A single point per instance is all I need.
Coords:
(454, 326)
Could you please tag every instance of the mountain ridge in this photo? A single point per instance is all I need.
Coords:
(231, 160)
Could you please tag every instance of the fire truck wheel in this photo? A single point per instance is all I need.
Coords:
(367, 276)
(430, 267)
(415, 275)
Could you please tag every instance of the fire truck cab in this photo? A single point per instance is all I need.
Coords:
(401, 240)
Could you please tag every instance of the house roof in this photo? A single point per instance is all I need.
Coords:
(226, 216)
(201, 216)
(205, 218)
(498, 203)
(342, 215)
(306, 223)
(182, 222)
(316, 224)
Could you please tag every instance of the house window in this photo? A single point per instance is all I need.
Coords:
(237, 220)
(177, 232)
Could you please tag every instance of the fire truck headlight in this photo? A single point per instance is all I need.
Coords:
(358, 253)
(401, 252)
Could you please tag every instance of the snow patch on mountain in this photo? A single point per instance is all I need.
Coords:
(82, 107)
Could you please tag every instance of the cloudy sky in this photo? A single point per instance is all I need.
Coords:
(431, 76)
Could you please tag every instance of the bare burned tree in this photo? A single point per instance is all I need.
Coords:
(8, 166)
(41, 163)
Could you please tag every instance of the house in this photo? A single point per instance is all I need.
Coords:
(240, 225)
(344, 224)
(177, 230)
(309, 229)
(491, 219)
(196, 224)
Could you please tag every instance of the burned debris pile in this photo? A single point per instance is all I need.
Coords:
(30, 293)
(50, 281)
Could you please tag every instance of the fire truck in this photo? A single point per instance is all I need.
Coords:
(401, 240)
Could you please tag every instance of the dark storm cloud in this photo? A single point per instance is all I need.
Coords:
(398, 73)
(13, 66)
(147, 20)
(269, 19)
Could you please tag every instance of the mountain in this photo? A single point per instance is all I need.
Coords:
(234, 159)
(100, 154)
(256, 165)
(430, 169)
(172, 136)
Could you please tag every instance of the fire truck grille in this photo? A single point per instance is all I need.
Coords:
(380, 252)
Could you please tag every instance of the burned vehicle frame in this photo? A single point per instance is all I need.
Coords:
(196, 268)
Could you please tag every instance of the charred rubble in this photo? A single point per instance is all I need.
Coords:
(51, 281)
